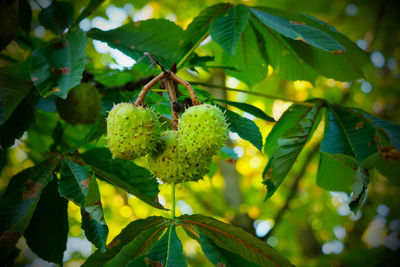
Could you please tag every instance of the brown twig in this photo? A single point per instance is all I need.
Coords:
(169, 83)
(187, 85)
(147, 87)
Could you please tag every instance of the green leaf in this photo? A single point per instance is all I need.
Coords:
(360, 185)
(248, 108)
(227, 27)
(386, 166)
(93, 222)
(298, 30)
(250, 61)
(245, 128)
(15, 84)
(234, 240)
(18, 203)
(166, 252)
(142, 242)
(329, 167)
(158, 37)
(58, 66)
(74, 182)
(278, 52)
(57, 17)
(221, 257)
(127, 235)
(47, 232)
(349, 133)
(345, 66)
(197, 30)
(92, 6)
(123, 173)
(287, 141)
(8, 22)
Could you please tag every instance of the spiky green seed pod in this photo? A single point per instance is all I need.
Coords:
(82, 105)
(132, 131)
(175, 165)
(202, 130)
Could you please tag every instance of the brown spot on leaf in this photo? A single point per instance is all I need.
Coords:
(337, 52)
(55, 90)
(114, 243)
(60, 71)
(117, 41)
(84, 183)
(301, 39)
(230, 160)
(137, 23)
(60, 44)
(267, 175)
(377, 138)
(31, 190)
(10, 238)
(98, 203)
(35, 79)
(153, 263)
(359, 125)
(390, 152)
(297, 22)
(131, 46)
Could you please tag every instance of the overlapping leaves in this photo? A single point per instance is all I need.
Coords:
(154, 242)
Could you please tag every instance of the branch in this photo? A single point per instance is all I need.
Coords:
(220, 87)
(187, 85)
(169, 83)
(147, 87)
(293, 190)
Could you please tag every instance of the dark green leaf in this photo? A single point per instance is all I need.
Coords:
(15, 83)
(92, 6)
(349, 133)
(219, 256)
(391, 129)
(47, 232)
(245, 128)
(74, 182)
(57, 17)
(58, 66)
(299, 30)
(8, 20)
(360, 185)
(234, 240)
(123, 173)
(18, 203)
(287, 141)
(248, 108)
(93, 222)
(227, 27)
(57, 135)
(329, 167)
(127, 235)
(166, 252)
(152, 36)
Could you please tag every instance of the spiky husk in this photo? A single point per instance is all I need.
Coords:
(132, 131)
(175, 165)
(202, 130)
(82, 105)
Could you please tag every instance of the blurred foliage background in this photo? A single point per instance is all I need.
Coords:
(305, 223)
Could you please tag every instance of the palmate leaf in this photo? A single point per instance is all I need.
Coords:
(47, 232)
(297, 46)
(166, 252)
(123, 173)
(18, 203)
(232, 239)
(78, 185)
(158, 37)
(129, 237)
(58, 66)
(286, 140)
